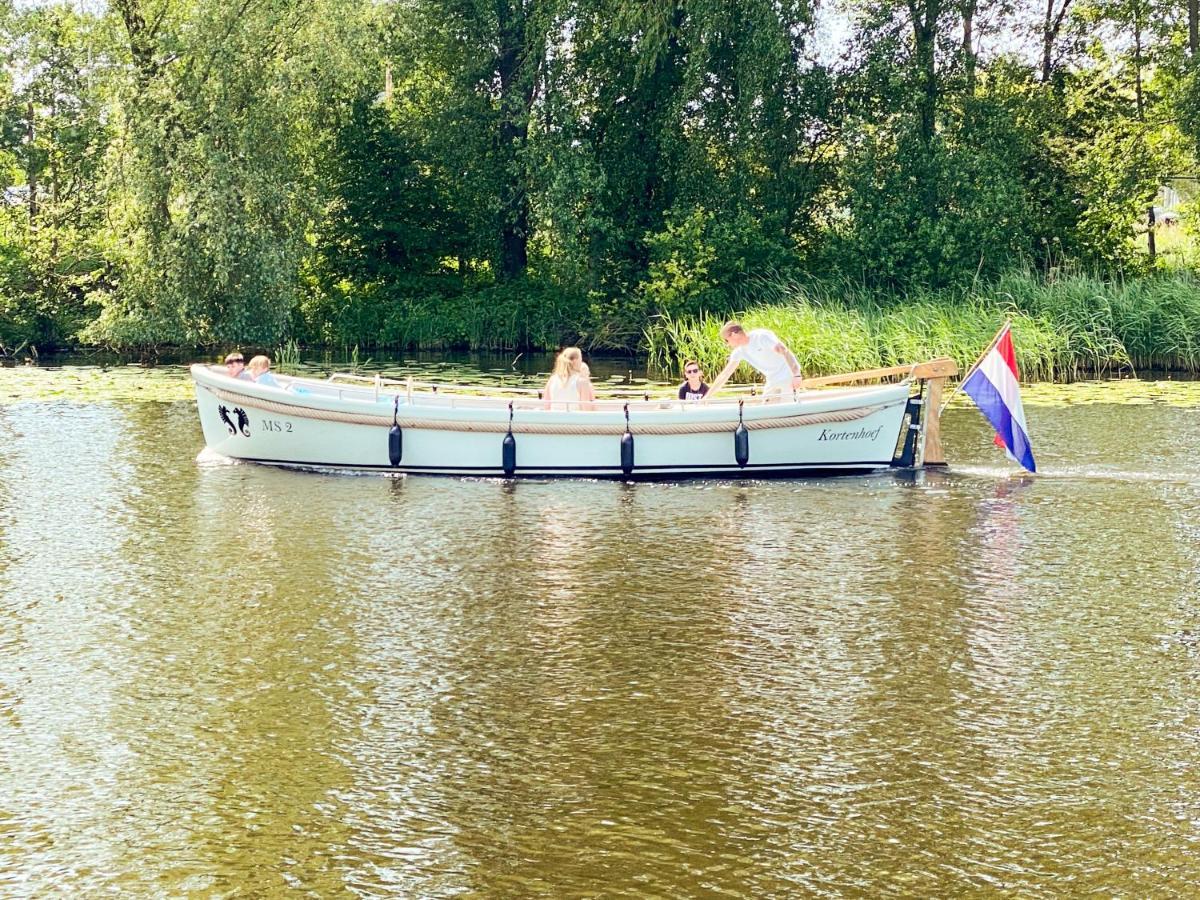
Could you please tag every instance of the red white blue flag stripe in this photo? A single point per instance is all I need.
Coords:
(994, 385)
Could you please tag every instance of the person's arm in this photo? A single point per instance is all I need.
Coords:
(587, 394)
(546, 392)
(793, 364)
(722, 377)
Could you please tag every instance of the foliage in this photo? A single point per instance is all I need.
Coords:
(697, 264)
(52, 137)
(429, 313)
(1065, 328)
(525, 172)
(209, 187)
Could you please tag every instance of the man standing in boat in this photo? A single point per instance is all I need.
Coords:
(762, 349)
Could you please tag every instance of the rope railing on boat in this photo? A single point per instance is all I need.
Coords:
(612, 398)
(582, 427)
(457, 398)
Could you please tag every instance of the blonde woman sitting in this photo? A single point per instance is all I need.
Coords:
(570, 387)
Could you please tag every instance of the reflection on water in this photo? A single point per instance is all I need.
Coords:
(230, 679)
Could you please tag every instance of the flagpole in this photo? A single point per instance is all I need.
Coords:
(970, 371)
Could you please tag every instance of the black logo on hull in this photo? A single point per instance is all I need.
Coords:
(243, 420)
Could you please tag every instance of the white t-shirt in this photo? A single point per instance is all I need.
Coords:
(760, 353)
(564, 393)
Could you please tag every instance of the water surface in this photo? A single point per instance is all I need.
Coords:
(226, 679)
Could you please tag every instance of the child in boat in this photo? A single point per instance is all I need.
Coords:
(235, 366)
(693, 387)
(570, 386)
(260, 371)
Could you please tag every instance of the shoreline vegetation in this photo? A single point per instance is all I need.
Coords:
(1064, 329)
(1069, 327)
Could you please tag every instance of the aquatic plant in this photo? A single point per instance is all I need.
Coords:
(1067, 327)
(287, 358)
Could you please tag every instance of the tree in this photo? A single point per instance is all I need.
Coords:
(54, 133)
(211, 185)
(492, 59)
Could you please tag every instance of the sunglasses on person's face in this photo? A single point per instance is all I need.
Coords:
(236, 362)
(691, 371)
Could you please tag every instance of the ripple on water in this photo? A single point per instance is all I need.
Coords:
(232, 679)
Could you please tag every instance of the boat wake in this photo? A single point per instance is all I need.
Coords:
(1076, 473)
(210, 458)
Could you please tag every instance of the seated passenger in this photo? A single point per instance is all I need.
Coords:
(694, 387)
(235, 366)
(260, 371)
(570, 387)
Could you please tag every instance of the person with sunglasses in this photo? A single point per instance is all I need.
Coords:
(694, 387)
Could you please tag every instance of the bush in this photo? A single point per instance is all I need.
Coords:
(436, 312)
(700, 261)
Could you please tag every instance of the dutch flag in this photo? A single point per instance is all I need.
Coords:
(994, 385)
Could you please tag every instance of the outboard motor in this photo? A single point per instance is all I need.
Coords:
(908, 455)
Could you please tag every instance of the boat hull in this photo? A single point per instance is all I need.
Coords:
(315, 425)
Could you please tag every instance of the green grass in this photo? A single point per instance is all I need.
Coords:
(1065, 328)
(1175, 245)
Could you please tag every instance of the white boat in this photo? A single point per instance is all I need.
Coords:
(351, 422)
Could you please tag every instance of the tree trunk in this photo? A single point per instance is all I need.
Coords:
(924, 23)
(1137, 66)
(1150, 234)
(1047, 42)
(1051, 26)
(55, 209)
(662, 86)
(148, 111)
(513, 133)
(968, 44)
(31, 173)
(923, 37)
(141, 39)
